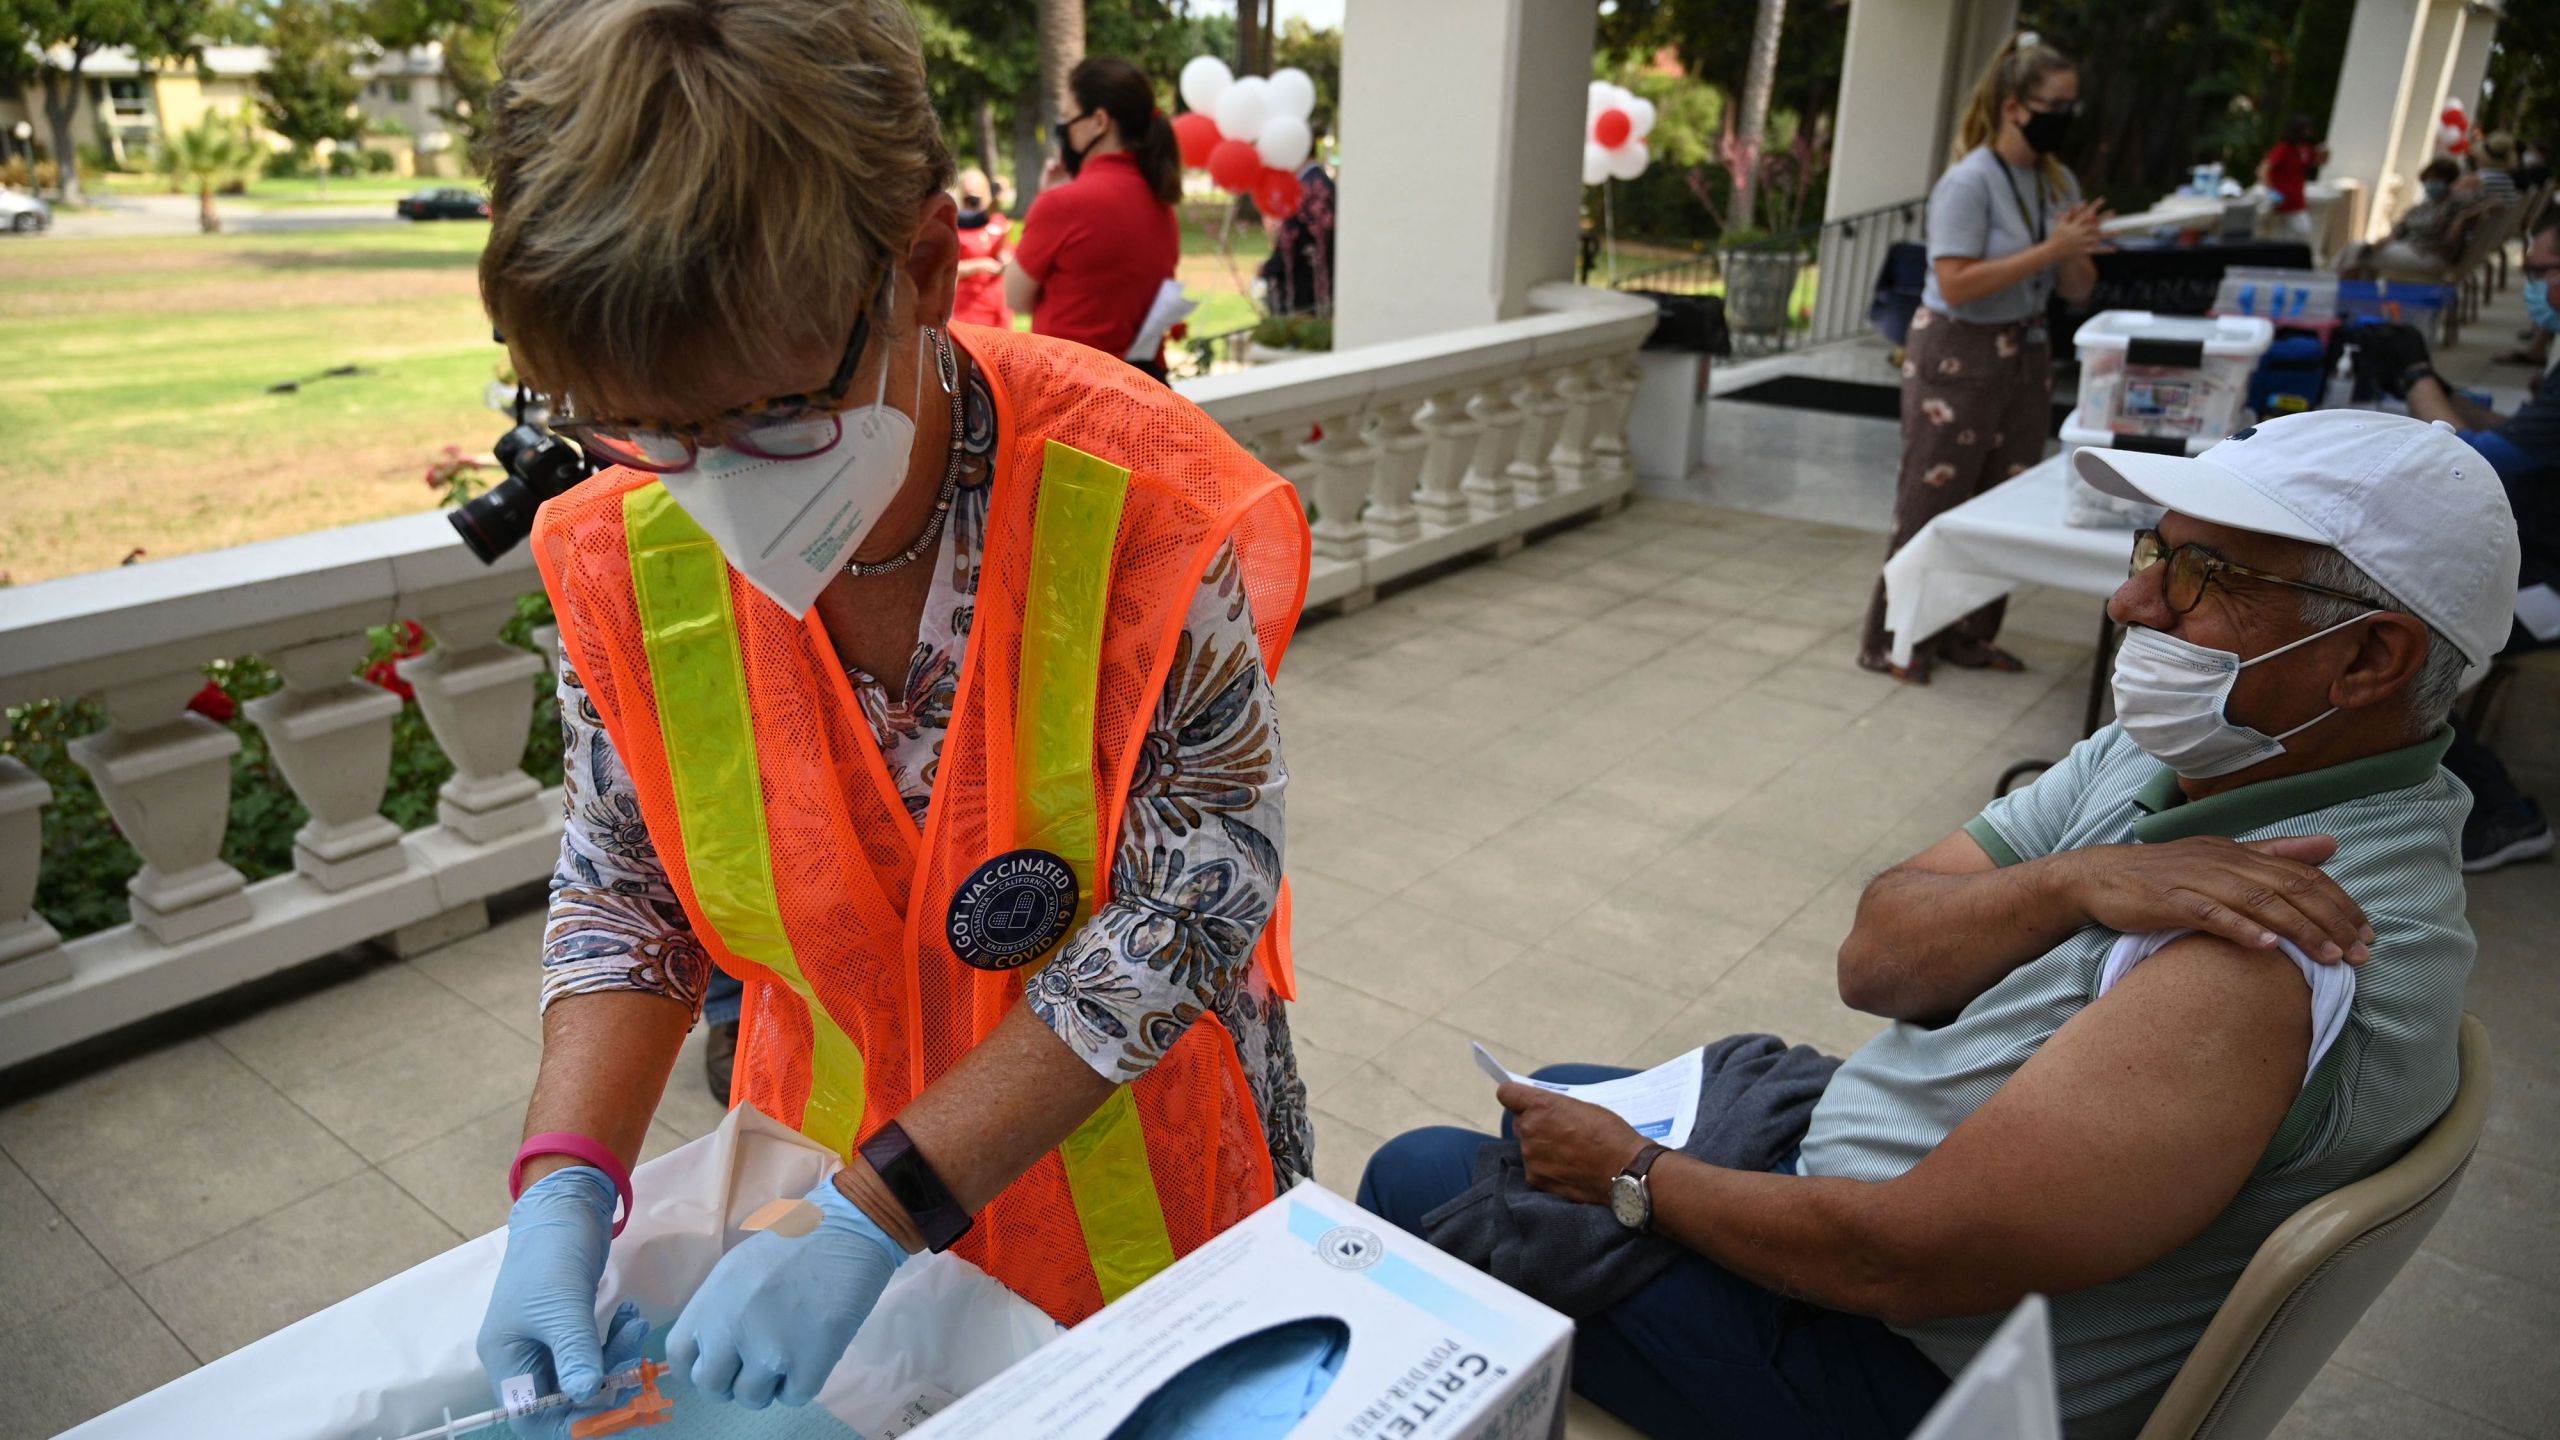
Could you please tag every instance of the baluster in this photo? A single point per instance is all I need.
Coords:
(1342, 461)
(331, 735)
(472, 688)
(546, 638)
(1400, 445)
(1615, 376)
(1488, 483)
(1573, 456)
(31, 953)
(165, 774)
(1452, 433)
(1532, 476)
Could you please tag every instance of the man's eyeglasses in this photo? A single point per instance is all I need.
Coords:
(2193, 567)
(786, 427)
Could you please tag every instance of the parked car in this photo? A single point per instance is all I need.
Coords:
(24, 213)
(444, 204)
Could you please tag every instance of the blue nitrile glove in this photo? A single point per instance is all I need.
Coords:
(542, 1311)
(1256, 1388)
(777, 1313)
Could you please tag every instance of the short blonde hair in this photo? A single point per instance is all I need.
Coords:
(679, 185)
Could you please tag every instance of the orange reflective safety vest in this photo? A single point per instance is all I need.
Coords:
(773, 812)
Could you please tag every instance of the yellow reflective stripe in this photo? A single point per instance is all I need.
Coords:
(681, 585)
(1066, 602)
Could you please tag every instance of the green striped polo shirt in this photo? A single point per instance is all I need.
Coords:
(2398, 818)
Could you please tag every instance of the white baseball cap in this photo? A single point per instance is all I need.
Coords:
(2404, 499)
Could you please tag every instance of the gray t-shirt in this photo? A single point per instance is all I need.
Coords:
(2392, 1070)
(1984, 208)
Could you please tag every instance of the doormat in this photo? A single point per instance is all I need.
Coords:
(1841, 397)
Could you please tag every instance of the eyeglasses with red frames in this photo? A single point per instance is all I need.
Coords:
(2192, 567)
(786, 427)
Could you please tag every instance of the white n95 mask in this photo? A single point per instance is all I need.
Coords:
(789, 526)
(2170, 695)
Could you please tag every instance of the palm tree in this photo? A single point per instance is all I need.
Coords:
(213, 154)
(1061, 47)
(1757, 80)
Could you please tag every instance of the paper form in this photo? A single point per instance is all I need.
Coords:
(1661, 1103)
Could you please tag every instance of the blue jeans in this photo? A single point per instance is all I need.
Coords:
(1699, 1350)
(723, 998)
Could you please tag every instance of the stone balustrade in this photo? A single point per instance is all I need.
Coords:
(1408, 453)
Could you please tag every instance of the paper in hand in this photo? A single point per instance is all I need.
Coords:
(1661, 1103)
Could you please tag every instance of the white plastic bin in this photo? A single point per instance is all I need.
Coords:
(2146, 374)
(2088, 507)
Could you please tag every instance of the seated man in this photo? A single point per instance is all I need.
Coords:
(2506, 824)
(2428, 234)
(2205, 970)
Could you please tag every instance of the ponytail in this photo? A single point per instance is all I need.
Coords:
(1120, 90)
(2021, 65)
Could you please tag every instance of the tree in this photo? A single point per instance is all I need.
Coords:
(309, 91)
(1061, 50)
(152, 29)
(1751, 136)
(1319, 53)
(216, 153)
(472, 33)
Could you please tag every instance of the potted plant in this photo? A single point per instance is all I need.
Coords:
(1760, 264)
(1288, 337)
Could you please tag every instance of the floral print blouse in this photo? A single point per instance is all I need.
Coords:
(1194, 880)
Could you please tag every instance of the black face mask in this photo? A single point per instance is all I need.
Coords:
(973, 218)
(1068, 154)
(2045, 130)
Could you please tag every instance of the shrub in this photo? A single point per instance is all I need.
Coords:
(81, 878)
(379, 162)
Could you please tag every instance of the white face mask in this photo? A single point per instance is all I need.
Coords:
(2170, 695)
(790, 525)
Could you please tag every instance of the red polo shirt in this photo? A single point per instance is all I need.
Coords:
(1100, 246)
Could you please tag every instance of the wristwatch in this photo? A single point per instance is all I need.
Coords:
(1629, 1198)
(902, 1167)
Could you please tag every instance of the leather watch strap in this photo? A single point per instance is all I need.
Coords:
(1644, 1160)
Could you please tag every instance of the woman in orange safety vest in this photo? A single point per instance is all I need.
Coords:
(917, 675)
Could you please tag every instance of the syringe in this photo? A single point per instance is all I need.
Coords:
(614, 1385)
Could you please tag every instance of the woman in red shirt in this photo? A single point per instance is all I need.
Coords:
(978, 294)
(1095, 250)
(2287, 169)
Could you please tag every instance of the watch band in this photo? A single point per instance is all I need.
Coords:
(903, 1168)
(1639, 1166)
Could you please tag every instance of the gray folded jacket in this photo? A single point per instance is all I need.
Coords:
(1754, 1103)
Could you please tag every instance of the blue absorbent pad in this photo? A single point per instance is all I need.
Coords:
(699, 1419)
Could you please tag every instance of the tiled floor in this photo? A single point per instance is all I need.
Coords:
(1600, 800)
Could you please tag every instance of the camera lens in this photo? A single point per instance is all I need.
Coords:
(539, 467)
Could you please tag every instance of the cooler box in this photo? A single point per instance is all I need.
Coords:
(2091, 509)
(2174, 375)
(2287, 297)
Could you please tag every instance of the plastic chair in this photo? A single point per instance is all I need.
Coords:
(2482, 713)
(2315, 1276)
(2485, 231)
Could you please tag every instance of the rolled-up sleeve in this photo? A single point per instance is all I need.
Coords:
(614, 921)
(1196, 871)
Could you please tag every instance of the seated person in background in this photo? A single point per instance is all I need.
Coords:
(2205, 970)
(2492, 178)
(2428, 234)
(2506, 825)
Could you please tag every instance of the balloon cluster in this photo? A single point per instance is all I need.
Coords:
(2454, 130)
(1614, 130)
(1250, 133)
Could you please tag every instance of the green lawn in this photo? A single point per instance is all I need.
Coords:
(134, 381)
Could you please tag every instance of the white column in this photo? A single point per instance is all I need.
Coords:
(1400, 446)
(477, 693)
(1452, 434)
(1533, 474)
(1488, 483)
(2372, 105)
(2422, 98)
(331, 735)
(165, 774)
(1470, 112)
(2467, 68)
(31, 953)
(1342, 461)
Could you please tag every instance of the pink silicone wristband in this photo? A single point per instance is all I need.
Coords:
(577, 1146)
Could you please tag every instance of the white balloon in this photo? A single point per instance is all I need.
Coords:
(1628, 160)
(1243, 108)
(1204, 79)
(1285, 142)
(1595, 163)
(1292, 93)
(1640, 115)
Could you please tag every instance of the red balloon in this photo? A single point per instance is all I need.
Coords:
(1612, 129)
(1277, 194)
(2459, 147)
(1235, 165)
(1197, 134)
(2453, 116)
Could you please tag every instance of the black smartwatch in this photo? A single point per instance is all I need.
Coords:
(903, 1168)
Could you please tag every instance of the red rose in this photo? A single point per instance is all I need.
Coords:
(214, 703)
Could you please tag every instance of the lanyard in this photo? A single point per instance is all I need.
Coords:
(2022, 200)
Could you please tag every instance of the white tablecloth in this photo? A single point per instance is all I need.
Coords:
(2008, 536)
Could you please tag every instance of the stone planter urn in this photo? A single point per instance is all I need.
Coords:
(1757, 284)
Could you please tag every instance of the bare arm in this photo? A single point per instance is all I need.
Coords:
(987, 266)
(1937, 930)
(2118, 1142)
(1021, 292)
(1964, 279)
(605, 1059)
(2432, 399)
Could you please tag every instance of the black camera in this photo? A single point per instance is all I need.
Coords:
(540, 466)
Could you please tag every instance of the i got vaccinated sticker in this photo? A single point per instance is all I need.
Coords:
(1012, 909)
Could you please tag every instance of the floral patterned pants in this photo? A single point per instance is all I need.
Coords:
(1977, 407)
